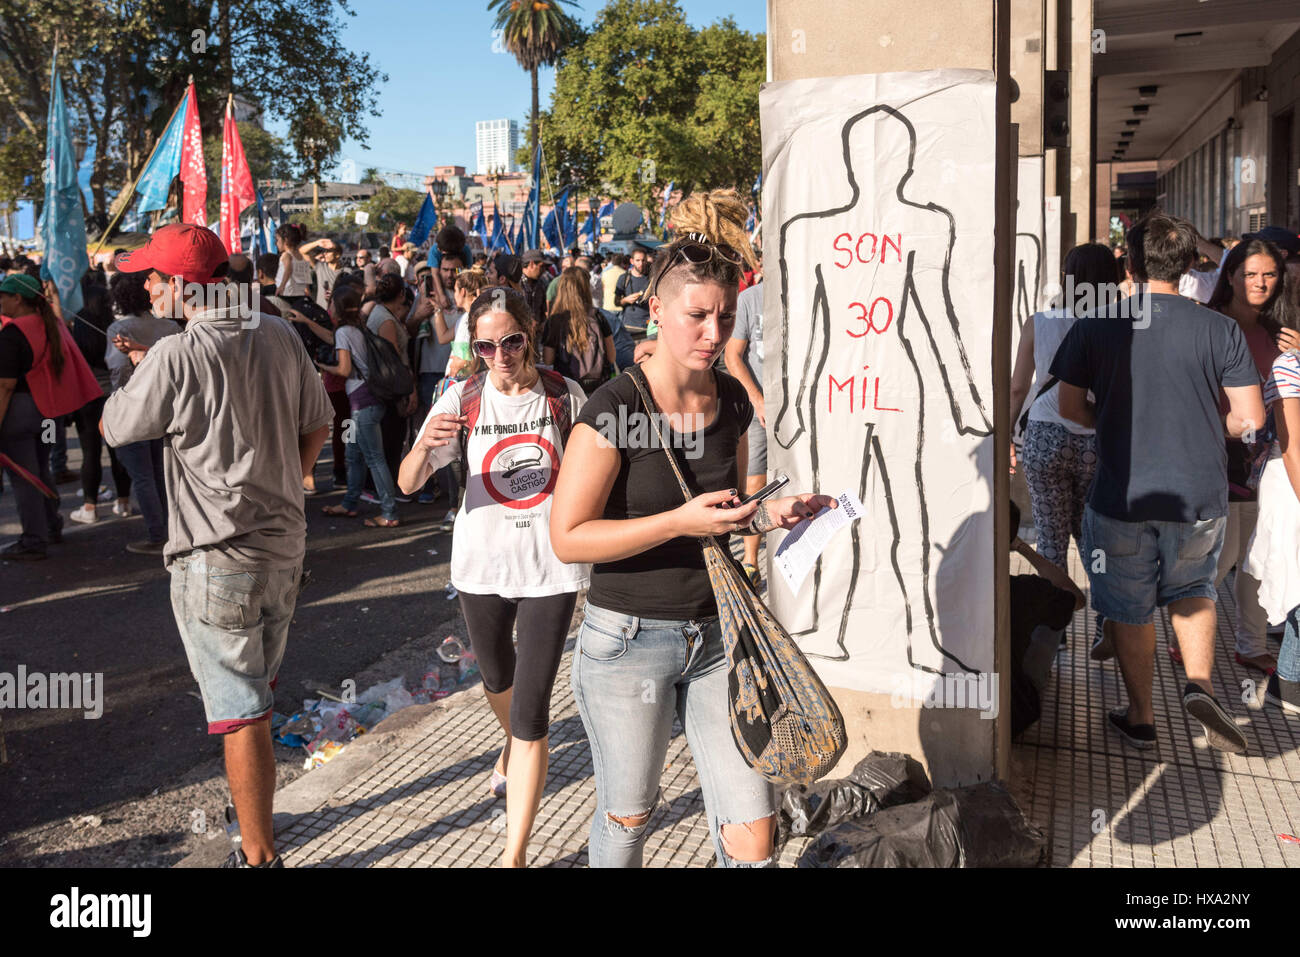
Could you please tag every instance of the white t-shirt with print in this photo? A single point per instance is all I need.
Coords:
(502, 540)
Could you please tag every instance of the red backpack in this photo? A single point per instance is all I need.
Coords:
(557, 397)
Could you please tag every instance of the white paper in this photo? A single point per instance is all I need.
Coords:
(806, 542)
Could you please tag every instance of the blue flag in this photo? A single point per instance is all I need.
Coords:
(556, 225)
(165, 165)
(607, 209)
(533, 210)
(62, 227)
(663, 211)
(498, 241)
(758, 183)
(424, 222)
(480, 224)
(589, 227)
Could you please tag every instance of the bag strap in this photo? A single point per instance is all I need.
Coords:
(1024, 416)
(470, 401)
(557, 397)
(643, 387)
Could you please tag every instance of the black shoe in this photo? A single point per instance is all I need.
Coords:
(17, 552)
(1141, 736)
(146, 548)
(237, 859)
(1220, 731)
(1285, 694)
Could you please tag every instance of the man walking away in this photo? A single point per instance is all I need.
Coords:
(243, 414)
(1155, 518)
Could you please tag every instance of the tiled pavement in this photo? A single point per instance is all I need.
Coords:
(426, 804)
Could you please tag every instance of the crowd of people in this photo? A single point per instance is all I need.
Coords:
(214, 382)
(1162, 440)
(1159, 439)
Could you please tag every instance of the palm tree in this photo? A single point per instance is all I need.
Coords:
(536, 32)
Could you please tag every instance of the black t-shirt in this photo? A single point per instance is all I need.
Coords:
(669, 581)
(1160, 451)
(16, 357)
(637, 314)
(557, 337)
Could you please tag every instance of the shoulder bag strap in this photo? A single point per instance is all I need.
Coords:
(1047, 387)
(643, 387)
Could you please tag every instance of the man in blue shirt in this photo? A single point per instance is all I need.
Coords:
(1155, 518)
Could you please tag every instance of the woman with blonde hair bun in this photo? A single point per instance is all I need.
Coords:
(650, 647)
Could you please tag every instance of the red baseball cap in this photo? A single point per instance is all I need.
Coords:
(194, 253)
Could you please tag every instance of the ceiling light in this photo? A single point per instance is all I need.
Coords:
(1147, 92)
(1141, 109)
(1190, 39)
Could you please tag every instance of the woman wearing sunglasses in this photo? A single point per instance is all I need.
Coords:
(650, 647)
(508, 422)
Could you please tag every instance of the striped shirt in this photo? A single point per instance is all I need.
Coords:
(1283, 383)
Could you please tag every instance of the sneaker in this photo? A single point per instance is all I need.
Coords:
(146, 548)
(122, 509)
(369, 497)
(84, 515)
(15, 552)
(1175, 655)
(106, 494)
(1140, 736)
(427, 498)
(1285, 694)
(1103, 649)
(1220, 731)
(237, 859)
(1264, 662)
(402, 498)
(497, 786)
(449, 520)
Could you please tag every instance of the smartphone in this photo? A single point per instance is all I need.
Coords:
(767, 491)
(428, 285)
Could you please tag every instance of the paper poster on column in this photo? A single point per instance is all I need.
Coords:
(878, 246)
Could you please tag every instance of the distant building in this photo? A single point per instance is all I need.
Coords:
(246, 111)
(497, 142)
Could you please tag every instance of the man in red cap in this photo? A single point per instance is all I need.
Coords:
(243, 414)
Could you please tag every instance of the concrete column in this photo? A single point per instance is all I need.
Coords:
(1072, 24)
(815, 38)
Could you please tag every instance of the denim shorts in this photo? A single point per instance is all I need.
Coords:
(631, 677)
(1133, 567)
(234, 626)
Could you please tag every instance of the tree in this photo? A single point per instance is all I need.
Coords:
(390, 206)
(536, 33)
(646, 99)
(316, 137)
(127, 62)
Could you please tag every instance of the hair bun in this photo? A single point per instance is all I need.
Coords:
(718, 214)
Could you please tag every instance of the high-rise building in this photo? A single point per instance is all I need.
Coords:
(496, 142)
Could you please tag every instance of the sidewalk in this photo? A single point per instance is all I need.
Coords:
(414, 792)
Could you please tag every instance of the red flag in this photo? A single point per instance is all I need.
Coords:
(237, 190)
(194, 178)
(22, 473)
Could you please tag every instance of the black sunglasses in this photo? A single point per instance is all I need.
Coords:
(697, 251)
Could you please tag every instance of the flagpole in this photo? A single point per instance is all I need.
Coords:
(131, 193)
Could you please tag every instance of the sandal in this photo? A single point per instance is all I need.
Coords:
(381, 523)
(337, 510)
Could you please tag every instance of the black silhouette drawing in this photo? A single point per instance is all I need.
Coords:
(1029, 273)
(925, 319)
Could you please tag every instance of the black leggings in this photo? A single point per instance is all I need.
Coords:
(92, 446)
(543, 626)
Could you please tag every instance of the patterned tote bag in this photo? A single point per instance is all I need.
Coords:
(785, 723)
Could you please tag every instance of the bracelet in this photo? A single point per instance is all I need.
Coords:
(760, 525)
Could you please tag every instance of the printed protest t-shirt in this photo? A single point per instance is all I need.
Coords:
(502, 540)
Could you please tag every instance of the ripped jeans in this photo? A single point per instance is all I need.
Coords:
(631, 676)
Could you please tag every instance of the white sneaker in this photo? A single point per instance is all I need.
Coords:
(84, 515)
(120, 510)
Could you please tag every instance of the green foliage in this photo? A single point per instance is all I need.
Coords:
(535, 32)
(390, 206)
(125, 65)
(646, 99)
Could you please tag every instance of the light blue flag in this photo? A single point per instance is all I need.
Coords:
(63, 222)
(663, 211)
(165, 164)
(424, 222)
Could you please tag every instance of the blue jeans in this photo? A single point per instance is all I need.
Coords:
(1135, 566)
(1288, 656)
(143, 461)
(630, 677)
(366, 450)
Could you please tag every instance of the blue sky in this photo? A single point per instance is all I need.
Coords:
(443, 76)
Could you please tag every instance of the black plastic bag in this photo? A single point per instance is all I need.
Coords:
(881, 779)
(979, 826)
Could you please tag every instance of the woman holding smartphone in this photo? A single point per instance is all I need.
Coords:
(651, 647)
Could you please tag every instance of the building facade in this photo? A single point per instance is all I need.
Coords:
(496, 143)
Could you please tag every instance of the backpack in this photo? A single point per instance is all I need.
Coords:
(388, 378)
(588, 369)
(557, 397)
